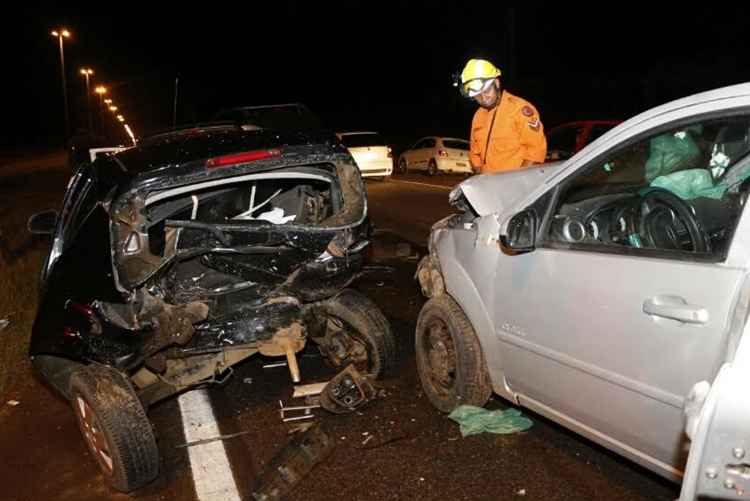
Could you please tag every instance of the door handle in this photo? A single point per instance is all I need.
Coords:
(675, 308)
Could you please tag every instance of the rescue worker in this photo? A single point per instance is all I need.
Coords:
(506, 132)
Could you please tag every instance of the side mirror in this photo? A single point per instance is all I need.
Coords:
(43, 223)
(521, 237)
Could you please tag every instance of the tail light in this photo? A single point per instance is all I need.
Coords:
(241, 158)
(442, 153)
(390, 152)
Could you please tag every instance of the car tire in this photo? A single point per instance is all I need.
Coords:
(450, 361)
(363, 322)
(403, 166)
(432, 168)
(115, 427)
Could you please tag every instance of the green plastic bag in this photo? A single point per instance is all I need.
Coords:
(474, 420)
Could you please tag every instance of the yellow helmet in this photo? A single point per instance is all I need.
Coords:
(477, 76)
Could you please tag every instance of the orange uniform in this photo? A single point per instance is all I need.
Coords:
(517, 135)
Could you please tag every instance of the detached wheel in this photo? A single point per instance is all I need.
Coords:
(403, 167)
(449, 357)
(432, 167)
(357, 332)
(115, 427)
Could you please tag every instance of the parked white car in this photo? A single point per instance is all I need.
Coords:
(370, 151)
(436, 154)
(610, 293)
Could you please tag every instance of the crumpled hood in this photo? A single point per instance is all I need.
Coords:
(496, 193)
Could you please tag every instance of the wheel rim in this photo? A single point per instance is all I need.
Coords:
(440, 356)
(93, 434)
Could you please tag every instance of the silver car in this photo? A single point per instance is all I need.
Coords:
(609, 293)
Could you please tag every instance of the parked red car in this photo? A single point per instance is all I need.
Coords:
(568, 139)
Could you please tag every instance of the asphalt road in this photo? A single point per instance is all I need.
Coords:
(414, 451)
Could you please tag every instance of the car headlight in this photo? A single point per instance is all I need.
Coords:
(455, 194)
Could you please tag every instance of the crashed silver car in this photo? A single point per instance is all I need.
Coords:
(609, 293)
(174, 260)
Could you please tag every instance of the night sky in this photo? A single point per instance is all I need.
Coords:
(360, 65)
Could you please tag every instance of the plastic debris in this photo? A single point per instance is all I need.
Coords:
(248, 380)
(521, 492)
(276, 216)
(475, 420)
(13, 403)
(4, 323)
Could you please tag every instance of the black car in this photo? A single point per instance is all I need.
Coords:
(175, 259)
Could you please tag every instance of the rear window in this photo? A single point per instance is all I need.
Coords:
(456, 144)
(360, 140)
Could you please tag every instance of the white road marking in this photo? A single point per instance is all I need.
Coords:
(448, 188)
(212, 473)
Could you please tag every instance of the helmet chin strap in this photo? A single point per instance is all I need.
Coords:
(492, 124)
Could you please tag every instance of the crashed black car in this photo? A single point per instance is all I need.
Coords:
(180, 257)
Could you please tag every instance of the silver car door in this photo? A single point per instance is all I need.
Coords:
(717, 422)
(608, 334)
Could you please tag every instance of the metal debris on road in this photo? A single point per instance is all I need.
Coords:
(369, 437)
(304, 390)
(299, 412)
(297, 459)
(347, 391)
(299, 427)
(209, 440)
(277, 364)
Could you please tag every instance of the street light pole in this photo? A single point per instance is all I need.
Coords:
(87, 72)
(63, 33)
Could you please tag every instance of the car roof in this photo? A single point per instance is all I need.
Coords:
(264, 106)
(352, 133)
(163, 151)
(442, 138)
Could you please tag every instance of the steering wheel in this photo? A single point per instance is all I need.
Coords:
(660, 218)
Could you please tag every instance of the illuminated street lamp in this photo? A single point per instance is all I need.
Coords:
(121, 118)
(113, 108)
(87, 72)
(107, 102)
(101, 90)
(130, 133)
(60, 34)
